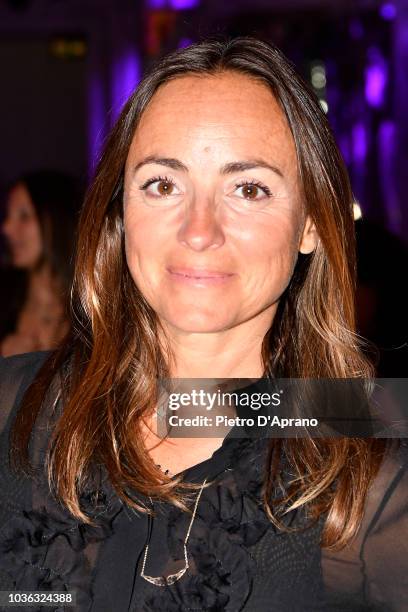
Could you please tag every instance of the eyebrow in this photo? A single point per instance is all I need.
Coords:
(230, 168)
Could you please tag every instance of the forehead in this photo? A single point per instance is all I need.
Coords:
(210, 115)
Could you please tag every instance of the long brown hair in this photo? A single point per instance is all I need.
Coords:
(115, 357)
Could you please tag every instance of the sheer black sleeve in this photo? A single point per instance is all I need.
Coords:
(16, 374)
(42, 546)
(372, 572)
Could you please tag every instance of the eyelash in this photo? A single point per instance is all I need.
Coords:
(166, 179)
(155, 179)
(257, 184)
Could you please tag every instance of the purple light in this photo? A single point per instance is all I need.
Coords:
(388, 11)
(375, 84)
(387, 135)
(376, 76)
(359, 138)
(184, 42)
(125, 77)
(356, 29)
(96, 120)
(344, 147)
(180, 5)
(157, 4)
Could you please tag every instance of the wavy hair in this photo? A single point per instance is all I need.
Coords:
(113, 350)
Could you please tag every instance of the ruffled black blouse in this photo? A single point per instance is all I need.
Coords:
(238, 560)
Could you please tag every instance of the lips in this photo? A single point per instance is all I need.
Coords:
(199, 273)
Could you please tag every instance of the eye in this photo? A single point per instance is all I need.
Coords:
(23, 214)
(159, 187)
(251, 189)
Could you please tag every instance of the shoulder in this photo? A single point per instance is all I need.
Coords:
(389, 491)
(17, 372)
(371, 570)
(21, 363)
(386, 505)
(394, 463)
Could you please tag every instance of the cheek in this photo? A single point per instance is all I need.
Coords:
(271, 255)
(35, 241)
(30, 230)
(143, 246)
(37, 233)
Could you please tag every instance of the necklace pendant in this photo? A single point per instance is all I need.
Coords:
(165, 580)
(172, 578)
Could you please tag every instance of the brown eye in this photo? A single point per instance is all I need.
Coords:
(250, 191)
(24, 215)
(160, 187)
(164, 188)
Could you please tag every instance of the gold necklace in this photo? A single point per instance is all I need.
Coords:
(172, 578)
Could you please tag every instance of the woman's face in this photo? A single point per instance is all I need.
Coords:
(213, 215)
(22, 229)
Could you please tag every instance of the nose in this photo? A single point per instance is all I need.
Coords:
(7, 227)
(201, 229)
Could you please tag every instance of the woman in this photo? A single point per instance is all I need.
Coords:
(38, 227)
(216, 240)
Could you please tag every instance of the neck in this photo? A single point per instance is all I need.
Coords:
(40, 281)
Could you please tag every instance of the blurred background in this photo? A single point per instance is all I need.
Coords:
(68, 66)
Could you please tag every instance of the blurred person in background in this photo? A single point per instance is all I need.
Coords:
(38, 228)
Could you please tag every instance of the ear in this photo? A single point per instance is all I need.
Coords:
(309, 237)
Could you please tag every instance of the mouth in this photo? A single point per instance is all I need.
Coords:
(16, 246)
(199, 276)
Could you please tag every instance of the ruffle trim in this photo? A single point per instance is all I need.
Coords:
(229, 518)
(45, 549)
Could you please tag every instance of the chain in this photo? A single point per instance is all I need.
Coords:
(172, 578)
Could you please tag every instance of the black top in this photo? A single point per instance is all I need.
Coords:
(238, 560)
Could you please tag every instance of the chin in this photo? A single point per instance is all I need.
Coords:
(18, 263)
(198, 322)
